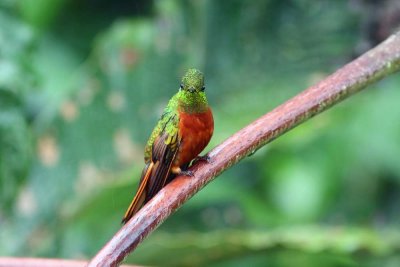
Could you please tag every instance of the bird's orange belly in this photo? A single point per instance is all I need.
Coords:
(195, 131)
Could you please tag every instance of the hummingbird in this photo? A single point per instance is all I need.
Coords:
(183, 131)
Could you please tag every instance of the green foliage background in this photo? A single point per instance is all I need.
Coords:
(82, 83)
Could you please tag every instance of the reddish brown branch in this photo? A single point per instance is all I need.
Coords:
(370, 67)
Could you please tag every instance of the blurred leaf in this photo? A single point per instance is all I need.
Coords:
(16, 40)
(40, 13)
(15, 79)
(15, 148)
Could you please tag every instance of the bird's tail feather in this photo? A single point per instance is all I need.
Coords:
(140, 196)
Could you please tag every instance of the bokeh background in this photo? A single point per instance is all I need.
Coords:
(83, 82)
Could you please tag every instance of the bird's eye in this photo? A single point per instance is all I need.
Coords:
(203, 88)
(181, 86)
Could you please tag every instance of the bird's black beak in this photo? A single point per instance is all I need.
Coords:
(192, 90)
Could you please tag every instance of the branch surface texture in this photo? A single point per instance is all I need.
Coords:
(365, 70)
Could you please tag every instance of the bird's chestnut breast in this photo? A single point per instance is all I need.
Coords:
(195, 131)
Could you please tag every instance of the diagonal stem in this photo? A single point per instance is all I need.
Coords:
(365, 70)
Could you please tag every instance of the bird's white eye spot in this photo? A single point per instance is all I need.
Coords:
(181, 87)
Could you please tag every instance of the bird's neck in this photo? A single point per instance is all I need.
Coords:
(192, 102)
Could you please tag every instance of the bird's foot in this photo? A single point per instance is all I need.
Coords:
(178, 171)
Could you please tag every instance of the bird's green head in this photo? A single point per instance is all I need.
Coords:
(191, 96)
(193, 81)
